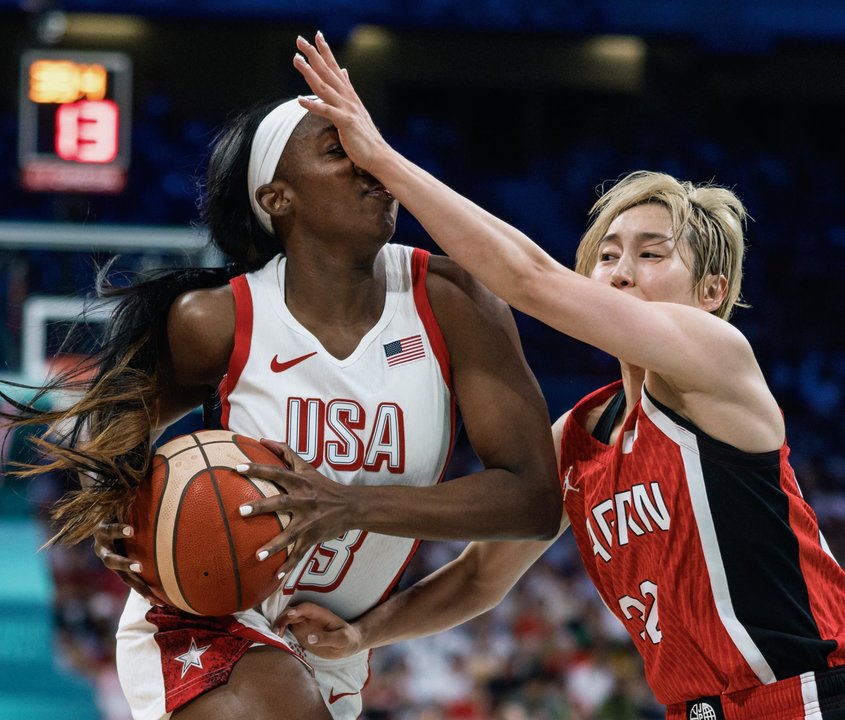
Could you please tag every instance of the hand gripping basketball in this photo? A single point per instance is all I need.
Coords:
(320, 509)
(194, 549)
(106, 539)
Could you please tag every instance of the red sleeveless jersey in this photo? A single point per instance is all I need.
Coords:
(709, 556)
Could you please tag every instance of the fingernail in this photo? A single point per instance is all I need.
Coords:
(281, 575)
(320, 35)
(263, 555)
(312, 639)
(299, 57)
(245, 510)
(241, 468)
(292, 613)
(127, 531)
(135, 567)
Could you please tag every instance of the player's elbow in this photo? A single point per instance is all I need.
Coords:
(548, 515)
(537, 520)
(543, 506)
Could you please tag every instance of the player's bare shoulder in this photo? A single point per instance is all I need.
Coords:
(477, 325)
(201, 333)
(453, 289)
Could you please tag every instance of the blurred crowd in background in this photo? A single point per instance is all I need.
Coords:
(551, 650)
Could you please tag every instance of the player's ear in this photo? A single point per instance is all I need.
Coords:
(714, 289)
(275, 198)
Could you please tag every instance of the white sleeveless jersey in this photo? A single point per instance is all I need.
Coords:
(384, 415)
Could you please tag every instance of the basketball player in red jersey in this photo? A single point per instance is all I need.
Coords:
(355, 351)
(675, 479)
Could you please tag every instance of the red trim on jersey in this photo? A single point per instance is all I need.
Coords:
(825, 594)
(419, 270)
(392, 584)
(243, 340)
(413, 551)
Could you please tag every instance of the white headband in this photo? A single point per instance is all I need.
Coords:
(268, 143)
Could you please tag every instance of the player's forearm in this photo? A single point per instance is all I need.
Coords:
(492, 504)
(416, 612)
(471, 584)
(500, 256)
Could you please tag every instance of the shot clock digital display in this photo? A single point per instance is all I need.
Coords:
(74, 121)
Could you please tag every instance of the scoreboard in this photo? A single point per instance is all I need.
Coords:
(74, 120)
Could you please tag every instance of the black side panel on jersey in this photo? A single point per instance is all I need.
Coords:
(759, 551)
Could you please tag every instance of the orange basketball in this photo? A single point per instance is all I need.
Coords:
(197, 552)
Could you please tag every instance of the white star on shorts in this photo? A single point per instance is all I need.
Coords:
(192, 657)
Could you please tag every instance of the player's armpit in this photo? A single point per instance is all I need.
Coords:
(200, 335)
(200, 339)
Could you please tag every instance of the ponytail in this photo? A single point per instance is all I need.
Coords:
(105, 434)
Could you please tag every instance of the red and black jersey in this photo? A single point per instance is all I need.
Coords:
(709, 556)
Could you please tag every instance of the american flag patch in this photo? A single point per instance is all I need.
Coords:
(404, 350)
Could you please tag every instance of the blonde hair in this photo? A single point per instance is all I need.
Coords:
(710, 220)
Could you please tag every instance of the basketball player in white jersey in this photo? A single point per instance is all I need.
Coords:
(356, 353)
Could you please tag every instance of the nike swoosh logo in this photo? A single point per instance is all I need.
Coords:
(334, 698)
(278, 367)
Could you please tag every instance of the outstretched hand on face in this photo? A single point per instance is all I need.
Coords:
(340, 103)
(319, 507)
